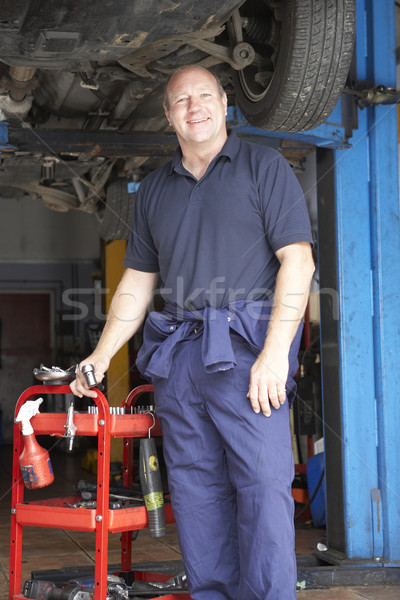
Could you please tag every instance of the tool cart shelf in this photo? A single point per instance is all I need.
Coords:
(54, 512)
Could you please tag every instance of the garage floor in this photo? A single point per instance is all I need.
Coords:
(53, 548)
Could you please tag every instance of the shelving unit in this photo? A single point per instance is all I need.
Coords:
(101, 520)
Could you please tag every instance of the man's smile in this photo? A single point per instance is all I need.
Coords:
(198, 120)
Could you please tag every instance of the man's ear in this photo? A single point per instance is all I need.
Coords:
(225, 101)
(166, 111)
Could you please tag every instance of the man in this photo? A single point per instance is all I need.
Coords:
(225, 225)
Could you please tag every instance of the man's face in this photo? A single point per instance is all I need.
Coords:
(196, 109)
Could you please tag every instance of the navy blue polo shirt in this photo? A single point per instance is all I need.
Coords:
(214, 240)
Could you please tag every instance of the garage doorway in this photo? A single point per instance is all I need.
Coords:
(26, 340)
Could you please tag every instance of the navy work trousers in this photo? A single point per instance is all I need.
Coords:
(230, 473)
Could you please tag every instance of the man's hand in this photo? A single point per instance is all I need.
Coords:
(268, 378)
(79, 387)
(269, 373)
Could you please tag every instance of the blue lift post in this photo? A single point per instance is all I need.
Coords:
(368, 277)
(366, 184)
(358, 196)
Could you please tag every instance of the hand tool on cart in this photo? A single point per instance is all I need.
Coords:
(124, 496)
(92, 504)
(93, 495)
(70, 427)
(57, 376)
(174, 585)
(36, 589)
(177, 582)
(88, 371)
(90, 486)
(37, 471)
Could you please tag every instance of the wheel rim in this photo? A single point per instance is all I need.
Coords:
(249, 85)
(255, 80)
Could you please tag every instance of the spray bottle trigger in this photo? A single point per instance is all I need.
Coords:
(26, 412)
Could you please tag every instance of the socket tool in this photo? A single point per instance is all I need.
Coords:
(88, 371)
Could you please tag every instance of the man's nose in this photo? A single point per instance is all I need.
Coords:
(194, 103)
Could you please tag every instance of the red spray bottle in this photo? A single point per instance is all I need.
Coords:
(34, 461)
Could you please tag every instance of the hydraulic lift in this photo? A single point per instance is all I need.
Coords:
(359, 260)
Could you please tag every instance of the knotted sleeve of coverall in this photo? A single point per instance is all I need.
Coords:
(160, 335)
(162, 331)
(216, 348)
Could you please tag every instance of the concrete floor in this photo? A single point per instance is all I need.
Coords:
(56, 548)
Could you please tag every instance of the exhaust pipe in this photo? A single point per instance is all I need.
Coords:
(22, 82)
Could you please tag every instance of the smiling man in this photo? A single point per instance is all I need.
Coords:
(196, 108)
(224, 225)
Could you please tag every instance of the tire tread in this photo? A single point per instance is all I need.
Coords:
(308, 87)
(116, 217)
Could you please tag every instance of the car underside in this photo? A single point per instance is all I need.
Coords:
(81, 84)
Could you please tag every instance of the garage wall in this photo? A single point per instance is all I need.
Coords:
(30, 231)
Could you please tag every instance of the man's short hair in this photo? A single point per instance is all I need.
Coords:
(183, 68)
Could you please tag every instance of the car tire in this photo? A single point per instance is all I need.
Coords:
(114, 219)
(314, 42)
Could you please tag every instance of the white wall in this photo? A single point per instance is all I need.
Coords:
(31, 232)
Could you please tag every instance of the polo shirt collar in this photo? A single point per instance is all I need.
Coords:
(229, 149)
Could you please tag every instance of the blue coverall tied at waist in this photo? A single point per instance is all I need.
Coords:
(229, 469)
(249, 319)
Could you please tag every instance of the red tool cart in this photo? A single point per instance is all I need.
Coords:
(101, 520)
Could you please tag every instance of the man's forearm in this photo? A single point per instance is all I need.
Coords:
(127, 311)
(290, 299)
